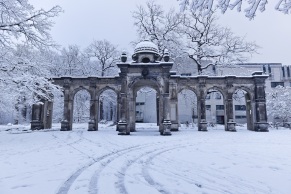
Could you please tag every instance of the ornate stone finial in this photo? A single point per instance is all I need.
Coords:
(166, 55)
(123, 57)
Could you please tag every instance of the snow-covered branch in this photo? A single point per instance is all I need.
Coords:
(20, 22)
(105, 55)
(279, 102)
(252, 6)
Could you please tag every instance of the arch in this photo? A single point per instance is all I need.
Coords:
(244, 109)
(219, 89)
(215, 106)
(101, 90)
(190, 111)
(111, 106)
(58, 102)
(135, 86)
(181, 88)
(81, 106)
(76, 90)
(140, 83)
(142, 98)
(247, 90)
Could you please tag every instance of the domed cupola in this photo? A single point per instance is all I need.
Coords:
(146, 52)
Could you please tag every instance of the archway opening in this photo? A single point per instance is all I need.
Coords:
(146, 108)
(145, 60)
(187, 108)
(81, 109)
(58, 107)
(214, 108)
(242, 108)
(108, 107)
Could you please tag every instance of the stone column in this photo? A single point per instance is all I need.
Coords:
(158, 110)
(229, 113)
(118, 110)
(166, 115)
(66, 124)
(122, 123)
(50, 117)
(93, 121)
(249, 112)
(174, 107)
(261, 123)
(161, 114)
(174, 115)
(202, 124)
(202, 114)
(36, 122)
(131, 110)
(94, 107)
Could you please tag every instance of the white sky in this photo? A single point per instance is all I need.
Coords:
(86, 20)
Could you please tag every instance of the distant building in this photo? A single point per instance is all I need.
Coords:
(278, 75)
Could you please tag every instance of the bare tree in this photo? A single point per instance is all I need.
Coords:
(20, 21)
(104, 54)
(160, 27)
(209, 42)
(197, 36)
(74, 62)
(25, 33)
(205, 6)
(278, 104)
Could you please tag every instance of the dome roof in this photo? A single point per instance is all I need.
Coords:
(146, 46)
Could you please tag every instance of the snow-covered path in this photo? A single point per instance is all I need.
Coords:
(77, 162)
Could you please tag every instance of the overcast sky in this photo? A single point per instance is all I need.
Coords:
(86, 20)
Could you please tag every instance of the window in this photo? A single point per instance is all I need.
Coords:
(240, 117)
(139, 103)
(240, 107)
(219, 107)
(264, 69)
(185, 74)
(275, 84)
(217, 95)
(288, 71)
(208, 107)
(269, 69)
(283, 71)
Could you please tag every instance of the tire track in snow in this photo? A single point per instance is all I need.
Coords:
(150, 154)
(233, 183)
(93, 186)
(64, 189)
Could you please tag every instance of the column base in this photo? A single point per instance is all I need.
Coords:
(92, 126)
(231, 126)
(36, 125)
(167, 128)
(124, 133)
(65, 126)
(174, 127)
(122, 128)
(203, 126)
(261, 127)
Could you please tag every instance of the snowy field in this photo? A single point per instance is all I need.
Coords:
(188, 162)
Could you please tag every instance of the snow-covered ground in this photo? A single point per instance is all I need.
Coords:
(55, 162)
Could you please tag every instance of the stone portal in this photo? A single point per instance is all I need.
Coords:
(149, 68)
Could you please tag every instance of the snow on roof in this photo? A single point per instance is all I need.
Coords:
(146, 45)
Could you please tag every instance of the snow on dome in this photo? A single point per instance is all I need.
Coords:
(146, 46)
